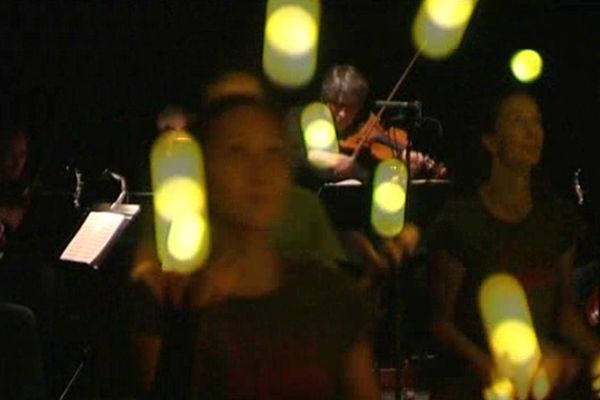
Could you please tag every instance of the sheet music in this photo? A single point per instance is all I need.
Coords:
(96, 234)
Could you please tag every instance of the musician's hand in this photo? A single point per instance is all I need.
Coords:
(345, 167)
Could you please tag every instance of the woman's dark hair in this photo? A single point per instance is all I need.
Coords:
(216, 109)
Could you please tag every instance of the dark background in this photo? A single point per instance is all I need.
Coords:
(88, 77)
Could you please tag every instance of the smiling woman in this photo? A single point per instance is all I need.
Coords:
(508, 227)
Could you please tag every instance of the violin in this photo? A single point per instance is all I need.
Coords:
(382, 143)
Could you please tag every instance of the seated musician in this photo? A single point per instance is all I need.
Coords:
(344, 89)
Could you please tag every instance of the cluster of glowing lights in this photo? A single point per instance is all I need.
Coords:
(291, 41)
(511, 336)
(181, 216)
(526, 65)
(389, 197)
(440, 25)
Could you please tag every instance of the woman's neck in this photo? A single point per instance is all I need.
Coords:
(251, 254)
(507, 194)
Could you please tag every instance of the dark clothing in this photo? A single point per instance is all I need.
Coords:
(529, 249)
(21, 366)
(288, 344)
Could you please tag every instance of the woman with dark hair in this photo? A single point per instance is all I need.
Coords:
(251, 323)
(507, 226)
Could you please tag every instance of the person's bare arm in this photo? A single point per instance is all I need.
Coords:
(360, 378)
(447, 277)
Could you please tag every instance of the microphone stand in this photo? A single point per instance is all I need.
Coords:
(400, 358)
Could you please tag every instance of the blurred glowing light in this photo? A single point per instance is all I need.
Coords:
(179, 195)
(181, 217)
(290, 41)
(319, 132)
(291, 30)
(440, 25)
(449, 13)
(500, 389)
(389, 197)
(512, 339)
(526, 65)
(185, 236)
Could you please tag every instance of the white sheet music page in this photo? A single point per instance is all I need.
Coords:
(97, 232)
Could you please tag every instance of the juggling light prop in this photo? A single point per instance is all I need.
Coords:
(180, 202)
(511, 336)
(291, 41)
(440, 25)
(389, 197)
(318, 132)
(526, 65)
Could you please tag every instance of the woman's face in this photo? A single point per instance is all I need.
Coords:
(14, 158)
(519, 136)
(248, 174)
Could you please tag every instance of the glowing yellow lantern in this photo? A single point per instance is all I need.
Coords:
(319, 133)
(510, 331)
(389, 197)
(440, 25)
(180, 205)
(526, 65)
(291, 41)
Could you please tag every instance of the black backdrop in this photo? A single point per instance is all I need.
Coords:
(89, 77)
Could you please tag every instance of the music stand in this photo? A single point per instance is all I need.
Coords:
(91, 244)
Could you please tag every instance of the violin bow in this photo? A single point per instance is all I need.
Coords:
(371, 122)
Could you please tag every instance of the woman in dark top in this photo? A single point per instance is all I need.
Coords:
(507, 227)
(251, 324)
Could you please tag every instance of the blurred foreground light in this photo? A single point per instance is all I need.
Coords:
(180, 205)
(500, 389)
(389, 197)
(185, 236)
(440, 25)
(449, 13)
(319, 131)
(526, 65)
(291, 41)
(512, 339)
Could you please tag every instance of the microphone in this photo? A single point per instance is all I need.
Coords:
(399, 104)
